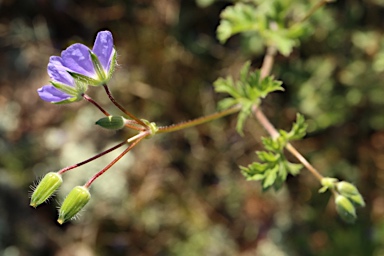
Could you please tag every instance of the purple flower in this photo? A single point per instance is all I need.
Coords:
(78, 67)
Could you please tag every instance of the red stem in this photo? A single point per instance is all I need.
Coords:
(92, 158)
(121, 107)
(90, 181)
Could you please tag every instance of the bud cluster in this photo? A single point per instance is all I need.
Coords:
(347, 197)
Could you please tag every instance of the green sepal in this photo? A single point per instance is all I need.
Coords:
(73, 203)
(327, 183)
(112, 122)
(98, 68)
(152, 127)
(85, 79)
(74, 92)
(113, 65)
(47, 186)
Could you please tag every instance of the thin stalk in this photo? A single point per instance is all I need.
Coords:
(314, 8)
(263, 120)
(89, 99)
(200, 120)
(106, 168)
(127, 124)
(92, 158)
(121, 107)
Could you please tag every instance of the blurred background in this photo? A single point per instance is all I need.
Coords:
(182, 193)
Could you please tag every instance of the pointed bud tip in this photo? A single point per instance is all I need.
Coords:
(60, 221)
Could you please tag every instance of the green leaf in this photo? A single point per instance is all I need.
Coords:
(299, 128)
(226, 103)
(294, 168)
(236, 19)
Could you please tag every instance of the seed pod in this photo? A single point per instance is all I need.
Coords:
(73, 203)
(111, 122)
(47, 186)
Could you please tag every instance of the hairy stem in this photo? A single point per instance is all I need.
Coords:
(200, 120)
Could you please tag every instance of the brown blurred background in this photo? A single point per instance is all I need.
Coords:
(182, 193)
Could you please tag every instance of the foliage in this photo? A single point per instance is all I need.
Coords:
(265, 20)
(247, 92)
(274, 167)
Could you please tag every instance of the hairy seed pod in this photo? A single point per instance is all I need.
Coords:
(47, 186)
(73, 203)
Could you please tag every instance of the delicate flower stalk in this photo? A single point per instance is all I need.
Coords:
(73, 203)
(136, 139)
(108, 92)
(47, 186)
(92, 158)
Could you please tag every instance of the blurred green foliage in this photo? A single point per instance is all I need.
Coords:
(182, 194)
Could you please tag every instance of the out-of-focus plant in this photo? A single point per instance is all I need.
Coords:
(277, 26)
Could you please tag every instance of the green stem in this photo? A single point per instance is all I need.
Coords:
(317, 6)
(198, 121)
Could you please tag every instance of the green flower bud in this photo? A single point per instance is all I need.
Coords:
(111, 122)
(357, 200)
(345, 208)
(73, 203)
(47, 186)
(351, 192)
(347, 189)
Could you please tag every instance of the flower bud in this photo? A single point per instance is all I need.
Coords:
(345, 208)
(47, 186)
(111, 122)
(347, 189)
(73, 203)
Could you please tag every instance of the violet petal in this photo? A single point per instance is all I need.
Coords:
(60, 74)
(51, 94)
(77, 59)
(103, 48)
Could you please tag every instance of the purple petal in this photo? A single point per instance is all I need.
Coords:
(58, 72)
(51, 94)
(103, 48)
(77, 58)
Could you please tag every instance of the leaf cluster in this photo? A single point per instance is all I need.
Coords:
(246, 91)
(265, 20)
(273, 168)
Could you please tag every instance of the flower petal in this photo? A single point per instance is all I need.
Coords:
(77, 58)
(51, 94)
(103, 48)
(58, 72)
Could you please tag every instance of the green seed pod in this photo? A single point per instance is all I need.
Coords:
(345, 209)
(47, 186)
(111, 122)
(73, 203)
